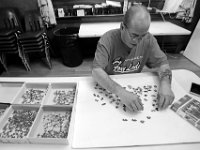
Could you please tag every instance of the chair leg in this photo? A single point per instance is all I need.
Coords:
(48, 57)
(25, 60)
(22, 54)
(46, 50)
(3, 61)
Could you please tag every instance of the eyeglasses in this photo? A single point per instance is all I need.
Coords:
(133, 35)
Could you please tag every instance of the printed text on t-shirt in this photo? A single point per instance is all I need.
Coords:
(121, 65)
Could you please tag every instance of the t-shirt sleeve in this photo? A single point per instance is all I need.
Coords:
(102, 53)
(156, 57)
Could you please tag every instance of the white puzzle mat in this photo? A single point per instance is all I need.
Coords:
(101, 120)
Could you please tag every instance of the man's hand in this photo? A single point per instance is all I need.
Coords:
(165, 95)
(132, 101)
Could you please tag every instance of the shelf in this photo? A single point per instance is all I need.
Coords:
(91, 16)
(77, 2)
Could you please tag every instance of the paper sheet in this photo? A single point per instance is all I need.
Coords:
(101, 124)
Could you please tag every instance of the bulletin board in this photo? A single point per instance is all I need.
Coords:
(101, 120)
(192, 51)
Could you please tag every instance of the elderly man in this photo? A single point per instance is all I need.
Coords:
(127, 50)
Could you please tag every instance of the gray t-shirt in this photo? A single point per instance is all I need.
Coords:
(115, 57)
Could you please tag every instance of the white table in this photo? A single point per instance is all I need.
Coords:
(88, 30)
(183, 77)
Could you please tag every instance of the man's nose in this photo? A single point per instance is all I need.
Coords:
(135, 40)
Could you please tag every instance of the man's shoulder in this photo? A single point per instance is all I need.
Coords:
(149, 38)
(110, 37)
(114, 33)
(149, 35)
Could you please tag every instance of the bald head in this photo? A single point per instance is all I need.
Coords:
(138, 17)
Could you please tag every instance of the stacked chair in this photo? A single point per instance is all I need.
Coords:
(34, 39)
(10, 30)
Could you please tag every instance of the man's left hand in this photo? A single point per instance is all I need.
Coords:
(165, 96)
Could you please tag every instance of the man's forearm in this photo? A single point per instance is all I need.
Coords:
(105, 81)
(165, 73)
(165, 94)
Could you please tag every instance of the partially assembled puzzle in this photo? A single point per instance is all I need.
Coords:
(146, 93)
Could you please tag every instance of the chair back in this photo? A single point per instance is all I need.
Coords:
(9, 19)
(33, 21)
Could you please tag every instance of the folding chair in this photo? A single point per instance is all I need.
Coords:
(35, 39)
(10, 29)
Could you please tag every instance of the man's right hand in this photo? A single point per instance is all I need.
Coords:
(132, 101)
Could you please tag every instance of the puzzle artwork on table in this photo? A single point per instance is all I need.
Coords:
(102, 120)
